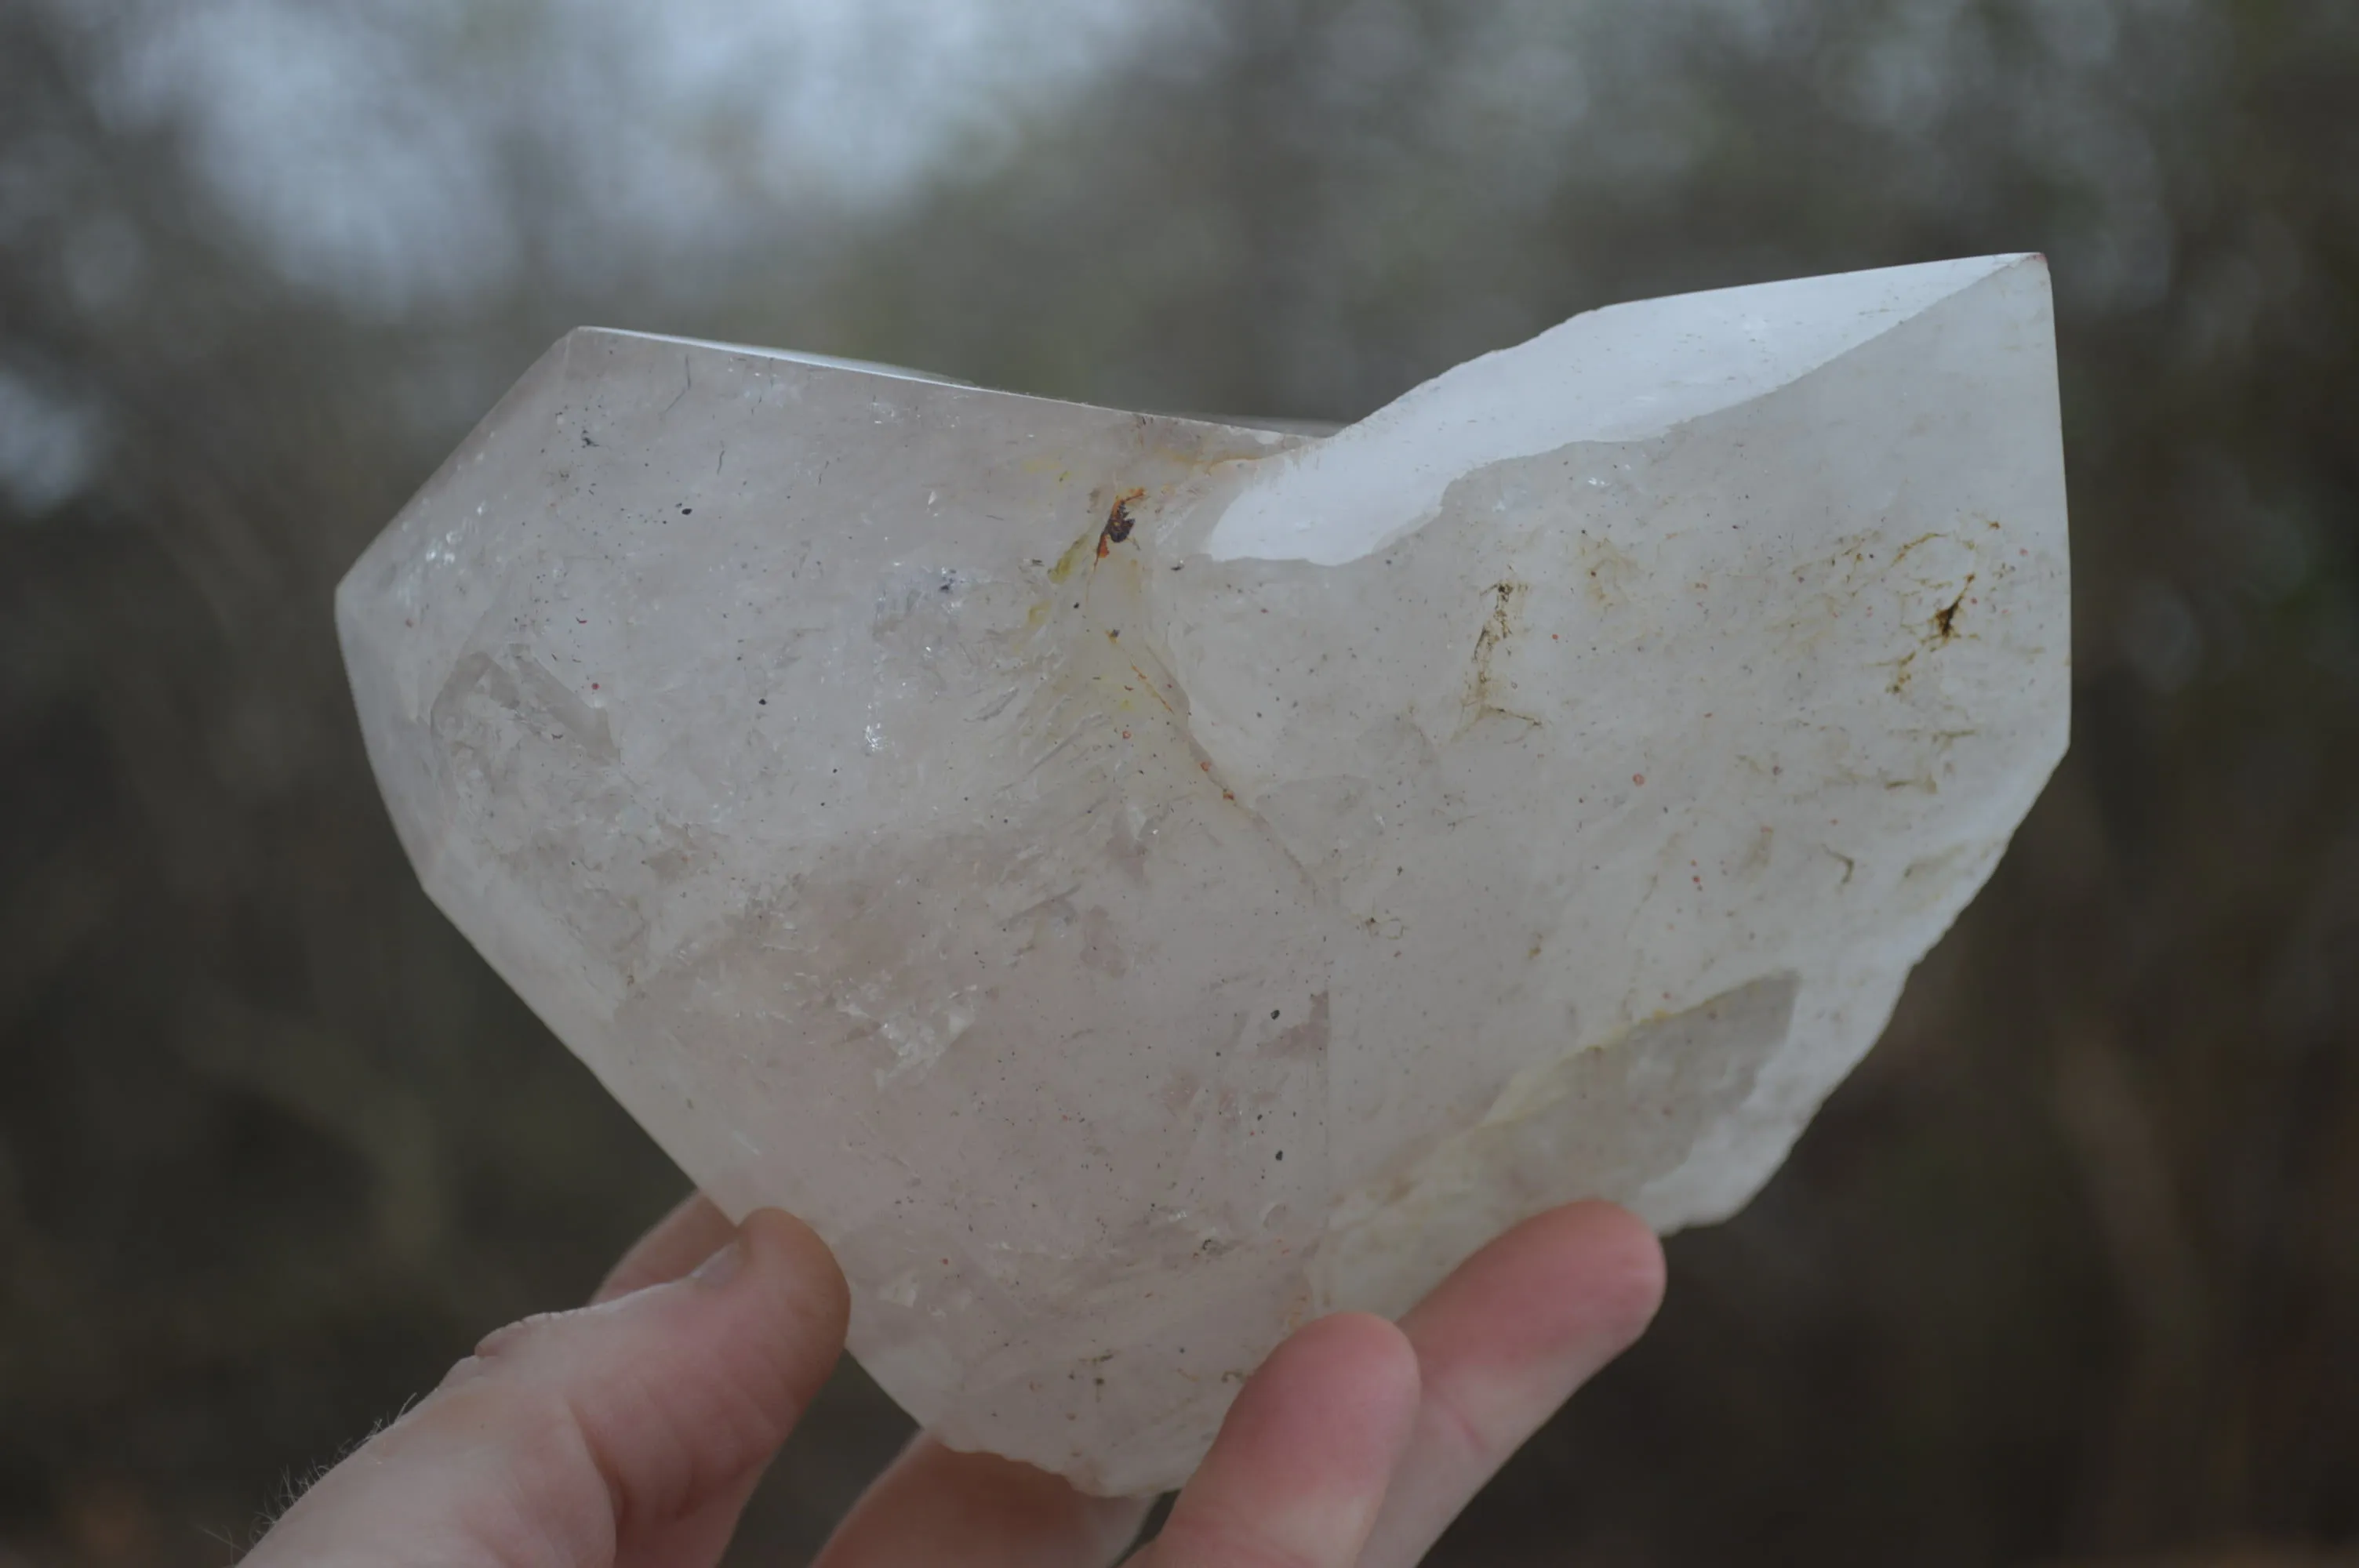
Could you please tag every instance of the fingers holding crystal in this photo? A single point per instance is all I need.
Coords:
(934, 1505)
(1501, 1344)
(677, 1243)
(1297, 1476)
(624, 1432)
(937, 1506)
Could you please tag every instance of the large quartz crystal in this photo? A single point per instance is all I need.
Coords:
(1134, 883)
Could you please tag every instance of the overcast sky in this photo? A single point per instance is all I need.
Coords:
(406, 159)
(377, 148)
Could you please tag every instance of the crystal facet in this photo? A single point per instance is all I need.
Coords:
(1135, 884)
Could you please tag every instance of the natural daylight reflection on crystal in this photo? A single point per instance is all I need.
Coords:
(1133, 884)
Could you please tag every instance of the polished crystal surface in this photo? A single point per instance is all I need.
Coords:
(1134, 883)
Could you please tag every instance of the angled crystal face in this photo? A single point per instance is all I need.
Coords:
(1135, 884)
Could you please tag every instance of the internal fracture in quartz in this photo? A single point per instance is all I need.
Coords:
(1133, 884)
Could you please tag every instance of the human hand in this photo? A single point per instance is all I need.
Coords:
(629, 1433)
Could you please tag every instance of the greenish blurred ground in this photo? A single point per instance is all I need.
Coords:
(2068, 1272)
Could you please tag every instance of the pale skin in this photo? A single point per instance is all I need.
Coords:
(629, 1433)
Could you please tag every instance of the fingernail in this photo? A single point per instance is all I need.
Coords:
(723, 1266)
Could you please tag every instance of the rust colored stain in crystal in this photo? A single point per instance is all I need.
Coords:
(1119, 522)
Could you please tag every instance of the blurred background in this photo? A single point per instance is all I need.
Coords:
(2068, 1273)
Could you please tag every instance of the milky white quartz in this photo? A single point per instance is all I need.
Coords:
(1134, 884)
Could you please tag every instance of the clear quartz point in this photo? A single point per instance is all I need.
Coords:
(1135, 883)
